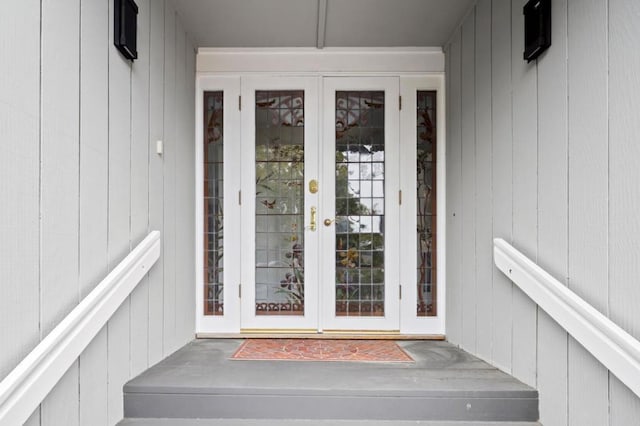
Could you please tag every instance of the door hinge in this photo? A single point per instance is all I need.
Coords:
(239, 291)
(400, 292)
(239, 103)
(400, 103)
(400, 197)
(239, 198)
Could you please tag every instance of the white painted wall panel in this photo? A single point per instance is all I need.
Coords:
(468, 125)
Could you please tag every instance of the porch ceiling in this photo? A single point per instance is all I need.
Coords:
(320, 23)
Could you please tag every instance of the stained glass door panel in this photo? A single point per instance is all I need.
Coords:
(279, 250)
(361, 122)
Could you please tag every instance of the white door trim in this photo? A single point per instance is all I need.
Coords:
(230, 321)
(409, 322)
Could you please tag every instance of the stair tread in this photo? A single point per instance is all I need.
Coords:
(310, 422)
(444, 384)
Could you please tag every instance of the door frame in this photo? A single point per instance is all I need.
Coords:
(214, 64)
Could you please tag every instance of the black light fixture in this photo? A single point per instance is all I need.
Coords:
(125, 31)
(537, 28)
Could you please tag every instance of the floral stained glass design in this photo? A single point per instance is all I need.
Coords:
(360, 203)
(426, 202)
(213, 204)
(279, 151)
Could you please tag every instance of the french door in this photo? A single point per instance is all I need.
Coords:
(302, 206)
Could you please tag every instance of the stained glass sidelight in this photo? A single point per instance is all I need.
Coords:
(279, 151)
(426, 202)
(213, 204)
(359, 216)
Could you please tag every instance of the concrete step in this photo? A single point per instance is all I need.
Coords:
(444, 384)
(302, 422)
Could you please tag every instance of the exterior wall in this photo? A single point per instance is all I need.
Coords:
(544, 155)
(80, 185)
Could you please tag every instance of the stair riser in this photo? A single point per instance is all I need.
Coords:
(140, 405)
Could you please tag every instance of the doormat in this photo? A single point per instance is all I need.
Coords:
(321, 350)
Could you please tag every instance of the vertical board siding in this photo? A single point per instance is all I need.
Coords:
(554, 172)
(81, 187)
(525, 194)
(118, 332)
(156, 185)
(501, 180)
(588, 214)
(19, 183)
(59, 189)
(139, 324)
(483, 165)
(169, 171)
(624, 196)
(454, 193)
(553, 213)
(94, 196)
(468, 124)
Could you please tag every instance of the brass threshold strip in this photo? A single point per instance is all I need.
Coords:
(326, 334)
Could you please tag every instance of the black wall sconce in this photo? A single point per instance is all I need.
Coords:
(537, 28)
(125, 31)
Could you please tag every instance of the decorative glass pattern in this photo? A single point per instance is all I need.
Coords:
(359, 216)
(426, 202)
(279, 203)
(213, 204)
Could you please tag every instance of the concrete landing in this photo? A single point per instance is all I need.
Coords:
(201, 382)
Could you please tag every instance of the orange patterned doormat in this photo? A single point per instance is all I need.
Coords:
(321, 350)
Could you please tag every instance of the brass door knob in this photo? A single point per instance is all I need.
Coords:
(328, 222)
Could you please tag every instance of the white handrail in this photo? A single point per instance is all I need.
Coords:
(29, 383)
(616, 349)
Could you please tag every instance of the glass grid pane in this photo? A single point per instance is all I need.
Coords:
(426, 202)
(213, 204)
(360, 198)
(279, 269)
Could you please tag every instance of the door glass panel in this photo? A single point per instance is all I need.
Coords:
(426, 202)
(213, 204)
(359, 215)
(279, 153)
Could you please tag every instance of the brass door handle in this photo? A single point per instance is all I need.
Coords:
(328, 222)
(312, 225)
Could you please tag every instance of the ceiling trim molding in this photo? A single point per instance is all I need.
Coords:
(322, 23)
(328, 60)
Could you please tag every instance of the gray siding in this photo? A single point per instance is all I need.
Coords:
(81, 185)
(554, 153)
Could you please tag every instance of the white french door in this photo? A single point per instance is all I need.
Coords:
(279, 261)
(302, 224)
(360, 209)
